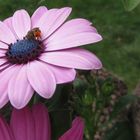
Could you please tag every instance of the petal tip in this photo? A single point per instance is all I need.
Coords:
(18, 105)
(98, 66)
(68, 8)
(50, 95)
(99, 37)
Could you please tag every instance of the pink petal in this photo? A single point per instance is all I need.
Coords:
(73, 33)
(5, 34)
(2, 54)
(5, 76)
(3, 63)
(3, 46)
(73, 58)
(21, 23)
(42, 122)
(19, 89)
(22, 124)
(8, 22)
(62, 75)
(73, 41)
(5, 132)
(41, 79)
(53, 19)
(76, 132)
(38, 14)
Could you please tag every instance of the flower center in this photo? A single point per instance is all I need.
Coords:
(25, 50)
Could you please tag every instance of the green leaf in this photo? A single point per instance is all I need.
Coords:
(122, 103)
(130, 4)
(120, 131)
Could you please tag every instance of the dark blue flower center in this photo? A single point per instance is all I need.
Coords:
(23, 47)
(24, 51)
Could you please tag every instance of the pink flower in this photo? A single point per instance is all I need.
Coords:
(34, 124)
(39, 52)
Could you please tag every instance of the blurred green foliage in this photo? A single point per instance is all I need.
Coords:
(121, 131)
(130, 4)
(100, 97)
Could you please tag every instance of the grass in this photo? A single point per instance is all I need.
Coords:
(119, 50)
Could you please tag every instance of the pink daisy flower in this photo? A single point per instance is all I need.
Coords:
(39, 52)
(34, 124)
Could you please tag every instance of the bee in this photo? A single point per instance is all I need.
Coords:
(35, 33)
